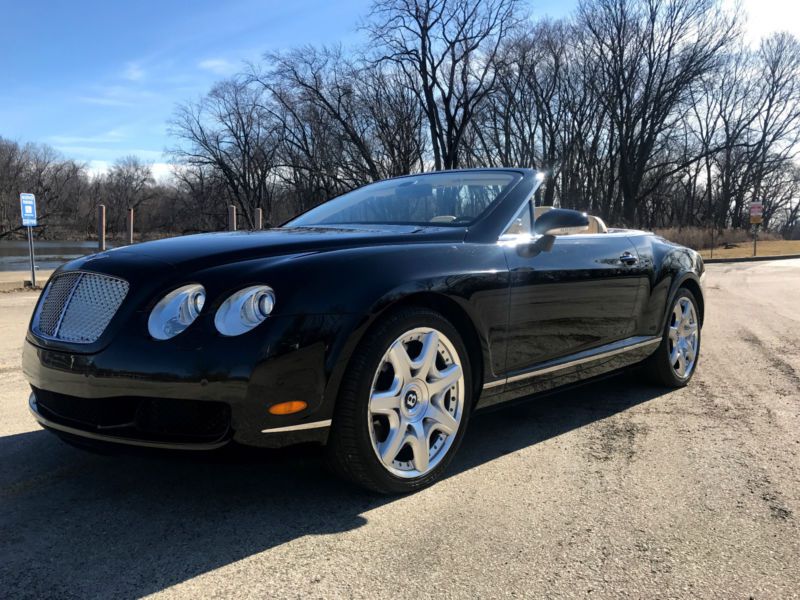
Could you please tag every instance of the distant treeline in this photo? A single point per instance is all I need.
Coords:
(650, 113)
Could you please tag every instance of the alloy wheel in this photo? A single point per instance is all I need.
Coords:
(683, 337)
(416, 402)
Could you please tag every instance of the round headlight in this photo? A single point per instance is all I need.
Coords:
(244, 310)
(176, 311)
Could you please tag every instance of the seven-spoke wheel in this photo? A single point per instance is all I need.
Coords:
(416, 402)
(675, 360)
(683, 337)
(404, 403)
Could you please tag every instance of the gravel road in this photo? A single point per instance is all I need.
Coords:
(614, 490)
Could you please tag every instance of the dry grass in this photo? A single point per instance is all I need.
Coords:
(739, 242)
(699, 238)
(765, 248)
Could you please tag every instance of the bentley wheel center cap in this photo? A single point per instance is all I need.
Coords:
(414, 403)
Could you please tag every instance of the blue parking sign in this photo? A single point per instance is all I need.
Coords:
(27, 204)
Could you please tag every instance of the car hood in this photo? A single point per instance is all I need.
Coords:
(212, 249)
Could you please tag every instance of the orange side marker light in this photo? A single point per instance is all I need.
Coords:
(287, 408)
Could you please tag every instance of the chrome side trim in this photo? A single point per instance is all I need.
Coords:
(45, 422)
(302, 426)
(574, 362)
(492, 384)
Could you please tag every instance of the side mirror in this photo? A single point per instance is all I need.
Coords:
(560, 221)
(541, 244)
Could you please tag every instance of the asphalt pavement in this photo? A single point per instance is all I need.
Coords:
(615, 490)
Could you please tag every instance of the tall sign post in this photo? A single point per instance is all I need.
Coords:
(27, 204)
(756, 218)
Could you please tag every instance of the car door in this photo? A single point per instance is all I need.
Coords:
(579, 295)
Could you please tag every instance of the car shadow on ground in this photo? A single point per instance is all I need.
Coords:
(76, 524)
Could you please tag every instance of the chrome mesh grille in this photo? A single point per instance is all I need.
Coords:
(56, 297)
(77, 307)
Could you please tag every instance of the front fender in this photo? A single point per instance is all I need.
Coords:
(365, 283)
(670, 266)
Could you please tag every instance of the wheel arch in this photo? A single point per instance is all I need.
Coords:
(449, 308)
(454, 312)
(691, 282)
(693, 286)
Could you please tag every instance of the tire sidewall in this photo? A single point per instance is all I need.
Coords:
(664, 363)
(376, 346)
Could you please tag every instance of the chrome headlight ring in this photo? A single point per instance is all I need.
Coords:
(244, 310)
(176, 311)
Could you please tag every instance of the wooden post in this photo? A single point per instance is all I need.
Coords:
(259, 219)
(231, 218)
(130, 225)
(101, 227)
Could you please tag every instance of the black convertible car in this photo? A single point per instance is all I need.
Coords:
(374, 323)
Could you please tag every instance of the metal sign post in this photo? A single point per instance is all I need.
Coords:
(27, 204)
(756, 218)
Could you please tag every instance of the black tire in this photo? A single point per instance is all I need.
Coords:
(349, 451)
(657, 368)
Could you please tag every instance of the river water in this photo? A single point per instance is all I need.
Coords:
(49, 254)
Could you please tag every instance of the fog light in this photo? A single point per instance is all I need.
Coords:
(287, 408)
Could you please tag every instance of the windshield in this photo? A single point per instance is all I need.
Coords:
(436, 198)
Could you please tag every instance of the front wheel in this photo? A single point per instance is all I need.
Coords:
(404, 404)
(675, 361)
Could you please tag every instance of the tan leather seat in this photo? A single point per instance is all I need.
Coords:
(596, 225)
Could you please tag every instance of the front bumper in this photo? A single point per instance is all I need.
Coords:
(59, 425)
(111, 395)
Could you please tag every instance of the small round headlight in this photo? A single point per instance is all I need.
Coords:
(244, 310)
(176, 311)
(199, 299)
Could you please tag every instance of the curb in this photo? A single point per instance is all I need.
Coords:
(749, 258)
(24, 283)
(18, 286)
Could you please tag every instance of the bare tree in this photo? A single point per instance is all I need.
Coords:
(644, 112)
(651, 53)
(230, 131)
(446, 49)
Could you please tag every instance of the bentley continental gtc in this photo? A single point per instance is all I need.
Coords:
(375, 324)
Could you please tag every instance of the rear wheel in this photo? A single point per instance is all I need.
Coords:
(404, 404)
(675, 361)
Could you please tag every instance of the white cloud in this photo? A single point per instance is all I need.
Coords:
(133, 72)
(117, 95)
(763, 17)
(98, 167)
(109, 137)
(218, 66)
(104, 101)
(162, 172)
(88, 152)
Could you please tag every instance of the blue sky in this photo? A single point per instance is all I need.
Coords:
(99, 80)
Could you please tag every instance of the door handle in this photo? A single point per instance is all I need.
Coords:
(628, 259)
